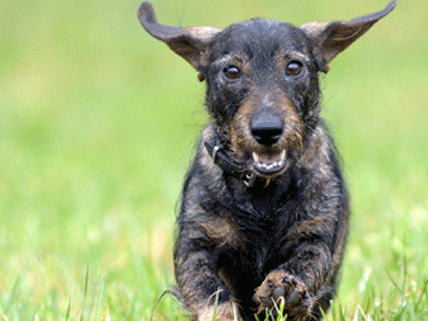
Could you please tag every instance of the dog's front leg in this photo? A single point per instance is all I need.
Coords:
(197, 277)
(299, 283)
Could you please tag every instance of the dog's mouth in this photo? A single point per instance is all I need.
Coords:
(269, 163)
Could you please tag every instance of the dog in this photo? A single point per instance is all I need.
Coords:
(265, 209)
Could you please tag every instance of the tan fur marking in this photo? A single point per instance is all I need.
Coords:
(222, 231)
(310, 227)
(225, 312)
(204, 34)
(313, 28)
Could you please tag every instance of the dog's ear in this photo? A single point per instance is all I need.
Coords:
(190, 43)
(331, 38)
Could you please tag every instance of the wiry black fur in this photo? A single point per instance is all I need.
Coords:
(282, 238)
(263, 215)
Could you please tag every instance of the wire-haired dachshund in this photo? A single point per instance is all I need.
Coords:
(264, 214)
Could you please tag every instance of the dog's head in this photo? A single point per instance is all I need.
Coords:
(262, 80)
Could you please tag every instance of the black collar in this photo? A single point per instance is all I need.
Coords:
(222, 159)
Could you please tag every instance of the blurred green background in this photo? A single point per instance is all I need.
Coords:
(97, 126)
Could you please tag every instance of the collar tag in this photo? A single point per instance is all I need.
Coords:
(249, 179)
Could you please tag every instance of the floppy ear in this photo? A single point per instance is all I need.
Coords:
(190, 43)
(331, 38)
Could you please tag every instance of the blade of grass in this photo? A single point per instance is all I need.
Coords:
(13, 294)
(100, 301)
(85, 293)
(217, 294)
(67, 314)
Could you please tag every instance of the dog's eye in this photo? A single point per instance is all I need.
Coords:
(294, 68)
(232, 72)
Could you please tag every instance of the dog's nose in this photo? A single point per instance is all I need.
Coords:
(267, 127)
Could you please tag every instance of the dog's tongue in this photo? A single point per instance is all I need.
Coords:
(269, 163)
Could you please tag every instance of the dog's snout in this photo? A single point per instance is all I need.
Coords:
(267, 127)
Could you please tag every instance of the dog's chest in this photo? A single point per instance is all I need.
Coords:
(260, 254)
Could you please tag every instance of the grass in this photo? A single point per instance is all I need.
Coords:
(98, 123)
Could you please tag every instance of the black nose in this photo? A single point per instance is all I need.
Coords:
(267, 127)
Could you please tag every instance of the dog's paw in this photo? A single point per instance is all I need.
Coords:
(282, 286)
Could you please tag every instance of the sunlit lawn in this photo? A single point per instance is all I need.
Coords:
(97, 126)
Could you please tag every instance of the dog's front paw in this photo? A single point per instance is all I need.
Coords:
(280, 285)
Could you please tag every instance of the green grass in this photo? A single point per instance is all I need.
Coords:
(98, 123)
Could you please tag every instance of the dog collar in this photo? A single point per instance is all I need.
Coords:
(221, 158)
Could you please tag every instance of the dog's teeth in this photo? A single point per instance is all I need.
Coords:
(266, 165)
(255, 157)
